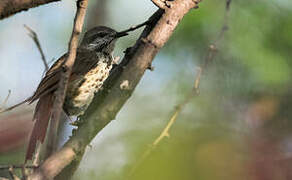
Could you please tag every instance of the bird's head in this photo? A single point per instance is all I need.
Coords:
(101, 39)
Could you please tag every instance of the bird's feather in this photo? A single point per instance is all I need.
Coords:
(41, 117)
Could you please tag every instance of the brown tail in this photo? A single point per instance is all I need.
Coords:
(41, 116)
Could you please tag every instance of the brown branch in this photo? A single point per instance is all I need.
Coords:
(110, 101)
(10, 7)
(67, 67)
(194, 92)
(34, 37)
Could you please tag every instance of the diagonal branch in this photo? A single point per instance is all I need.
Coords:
(10, 7)
(108, 103)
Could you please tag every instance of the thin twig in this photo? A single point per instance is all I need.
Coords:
(5, 100)
(194, 92)
(208, 58)
(34, 37)
(225, 22)
(133, 28)
(6, 167)
(67, 67)
(165, 131)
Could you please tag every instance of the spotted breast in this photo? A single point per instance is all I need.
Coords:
(81, 90)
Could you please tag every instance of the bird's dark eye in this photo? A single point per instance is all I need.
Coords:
(102, 34)
(96, 36)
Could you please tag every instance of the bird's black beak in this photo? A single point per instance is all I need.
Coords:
(120, 34)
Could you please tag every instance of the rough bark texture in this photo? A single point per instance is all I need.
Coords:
(119, 86)
(10, 7)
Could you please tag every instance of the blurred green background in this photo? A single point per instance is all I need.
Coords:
(239, 126)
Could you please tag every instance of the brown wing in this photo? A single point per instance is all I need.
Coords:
(50, 82)
(47, 84)
(85, 60)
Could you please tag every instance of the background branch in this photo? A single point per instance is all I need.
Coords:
(10, 7)
(135, 63)
(193, 93)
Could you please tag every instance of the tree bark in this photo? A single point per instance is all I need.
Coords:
(10, 7)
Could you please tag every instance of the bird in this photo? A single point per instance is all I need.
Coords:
(94, 60)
